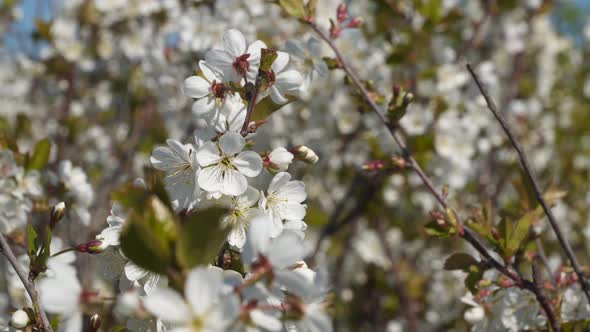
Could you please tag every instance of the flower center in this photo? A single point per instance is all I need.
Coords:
(218, 89)
(241, 64)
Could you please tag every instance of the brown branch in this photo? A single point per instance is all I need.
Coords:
(29, 285)
(537, 288)
(252, 94)
(536, 187)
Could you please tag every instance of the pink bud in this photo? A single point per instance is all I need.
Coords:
(355, 22)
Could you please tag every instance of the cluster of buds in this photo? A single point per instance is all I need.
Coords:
(399, 103)
(343, 21)
(374, 165)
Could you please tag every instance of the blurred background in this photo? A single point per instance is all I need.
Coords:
(102, 80)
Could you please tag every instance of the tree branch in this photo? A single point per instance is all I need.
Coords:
(467, 233)
(536, 187)
(29, 285)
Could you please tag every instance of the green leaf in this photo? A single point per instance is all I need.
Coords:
(474, 276)
(311, 8)
(460, 261)
(40, 156)
(266, 107)
(433, 228)
(148, 235)
(32, 240)
(294, 8)
(519, 233)
(267, 58)
(200, 237)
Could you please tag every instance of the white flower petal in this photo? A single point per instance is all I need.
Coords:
(231, 143)
(285, 250)
(248, 163)
(234, 42)
(202, 288)
(258, 239)
(266, 321)
(134, 272)
(276, 96)
(237, 236)
(279, 180)
(196, 87)
(168, 305)
(208, 72)
(233, 183)
(289, 81)
(210, 178)
(280, 62)
(208, 155)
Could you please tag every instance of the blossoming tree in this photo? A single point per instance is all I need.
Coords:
(294, 165)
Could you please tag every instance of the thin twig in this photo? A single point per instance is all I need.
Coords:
(253, 95)
(537, 284)
(536, 187)
(29, 286)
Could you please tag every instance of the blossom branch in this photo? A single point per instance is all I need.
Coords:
(27, 283)
(252, 94)
(536, 187)
(464, 232)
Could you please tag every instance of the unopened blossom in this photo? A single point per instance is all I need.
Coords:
(203, 307)
(225, 166)
(234, 61)
(286, 81)
(180, 164)
(280, 159)
(283, 200)
(20, 319)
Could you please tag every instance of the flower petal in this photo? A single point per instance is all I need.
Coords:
(234, 183)
(248, 163)
(231, 143)
(234, 42)
(278, 181)
(196, 87)
(258, 239)
(285, 250)
(208, 72)
(202, 288)
(280, 62)
(211, 178)
(289, 81)
(168, 305)
(208, 155)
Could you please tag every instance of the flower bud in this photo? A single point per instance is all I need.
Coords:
(279, 159)
(355, 22)
(57, 214)
(305, 154)
(92, 247)
(95, 322)
(20, 319)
